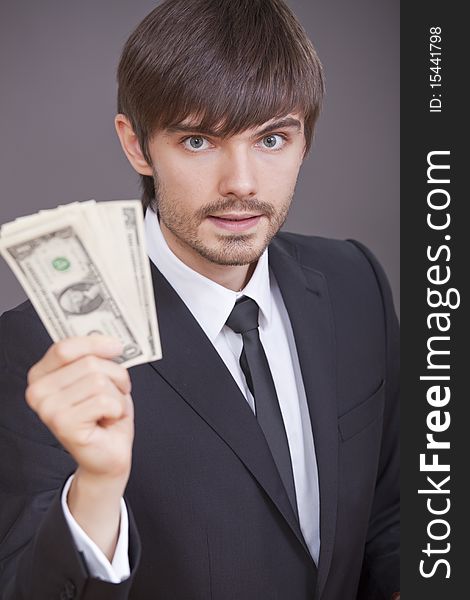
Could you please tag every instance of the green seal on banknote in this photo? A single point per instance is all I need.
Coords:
(61, 263)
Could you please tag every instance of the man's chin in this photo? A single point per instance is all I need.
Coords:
(236, 251)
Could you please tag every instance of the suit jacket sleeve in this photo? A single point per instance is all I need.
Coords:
(381, 565)
(38, 558)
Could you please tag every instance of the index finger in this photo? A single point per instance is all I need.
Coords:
(69, 350)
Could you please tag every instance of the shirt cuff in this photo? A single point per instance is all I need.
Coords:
(97, 563)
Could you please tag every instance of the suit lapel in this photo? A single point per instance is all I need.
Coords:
(305, 295)
(193, 367)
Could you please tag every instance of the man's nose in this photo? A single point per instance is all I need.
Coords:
(238, 174)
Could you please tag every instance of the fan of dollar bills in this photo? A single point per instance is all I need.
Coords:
(84, 266)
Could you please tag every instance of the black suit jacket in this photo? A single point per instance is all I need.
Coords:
(209, 517)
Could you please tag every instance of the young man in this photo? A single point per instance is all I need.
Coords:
(258, 459)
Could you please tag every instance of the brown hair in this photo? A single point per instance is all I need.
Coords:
(230, 64)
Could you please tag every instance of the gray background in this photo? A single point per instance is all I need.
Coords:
(57, 102)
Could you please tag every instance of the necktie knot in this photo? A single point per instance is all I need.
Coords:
(244, 315)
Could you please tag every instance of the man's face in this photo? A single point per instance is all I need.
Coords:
(223, 200)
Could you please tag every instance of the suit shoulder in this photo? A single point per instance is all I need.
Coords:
(23, 338)
(347, 265)
(327, 255)
(25, 308)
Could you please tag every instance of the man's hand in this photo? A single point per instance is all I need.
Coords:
(84, 399)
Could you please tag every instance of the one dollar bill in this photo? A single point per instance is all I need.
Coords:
(88, 273)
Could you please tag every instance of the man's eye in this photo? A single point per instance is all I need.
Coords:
(274, 141)
(195, 142)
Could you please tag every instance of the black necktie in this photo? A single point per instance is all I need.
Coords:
(244, 319)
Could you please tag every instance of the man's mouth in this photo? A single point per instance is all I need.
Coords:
(235, 221)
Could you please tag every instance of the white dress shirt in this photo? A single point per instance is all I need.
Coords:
(211, 304)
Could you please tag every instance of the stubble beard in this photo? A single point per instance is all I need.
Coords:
(231, 249)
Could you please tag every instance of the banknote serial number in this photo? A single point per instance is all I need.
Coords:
(435, 77)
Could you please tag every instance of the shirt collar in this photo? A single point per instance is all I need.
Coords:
(209, 302)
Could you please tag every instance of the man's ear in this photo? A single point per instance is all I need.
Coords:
(130, 145)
